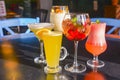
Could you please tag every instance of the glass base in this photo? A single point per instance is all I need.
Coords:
(73, 69)
(53, 69)
(39, 60)
(98, 64)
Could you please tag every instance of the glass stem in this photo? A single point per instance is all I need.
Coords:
(95, 69)
(75, 63)
(41, 49)
(95, 61)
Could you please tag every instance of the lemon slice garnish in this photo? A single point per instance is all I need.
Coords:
(41, 31)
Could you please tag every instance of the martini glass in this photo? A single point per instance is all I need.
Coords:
(35, 28)
(76, 27)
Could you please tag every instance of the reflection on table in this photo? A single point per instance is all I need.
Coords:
(17, 54)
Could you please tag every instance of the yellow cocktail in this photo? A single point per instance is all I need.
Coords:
(40, 26)
(52, 44)
(37, 29)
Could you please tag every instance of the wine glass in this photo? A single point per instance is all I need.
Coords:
(35, 28)
(96, 44)
(76, 27)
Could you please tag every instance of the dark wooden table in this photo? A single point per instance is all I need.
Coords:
(17, 54)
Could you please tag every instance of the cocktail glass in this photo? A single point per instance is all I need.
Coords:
(35, 28)
(76, 27)
(96, 44)
(52, 44)
(56, 16)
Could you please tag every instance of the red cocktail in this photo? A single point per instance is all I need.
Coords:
(76, 31)
(76, 27)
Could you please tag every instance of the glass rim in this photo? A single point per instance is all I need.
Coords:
(60, 6)
(40, 24)
(53, 33)
(97, 23)
(78, 13)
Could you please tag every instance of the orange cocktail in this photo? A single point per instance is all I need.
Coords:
(96, 43)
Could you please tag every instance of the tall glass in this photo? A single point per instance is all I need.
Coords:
(96, 44)
(36, 28)
(76, 27)
(52, 44)
(56, 16)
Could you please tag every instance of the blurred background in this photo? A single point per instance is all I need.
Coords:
(74, 5)
(95, 8)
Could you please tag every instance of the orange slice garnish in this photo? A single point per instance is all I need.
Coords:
(41, 31)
